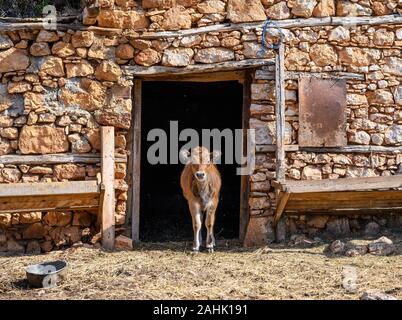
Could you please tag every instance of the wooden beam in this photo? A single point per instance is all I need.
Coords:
(140, 71)
(87, 158)
(136, 162)
(345, 200)
(52, 202)
(245, 179)
(262, 74)
(50, 188)
(237, 75)
(280, 112)
(225, 27)
(108, 203)
(345, 149)
(342, 184)
(283, 200)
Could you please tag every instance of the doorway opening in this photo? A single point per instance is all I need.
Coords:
(164, 213)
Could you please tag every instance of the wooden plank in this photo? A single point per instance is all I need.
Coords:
(245, 179)
(345, 149)
(280, 113)
(51, 188)
(52, 202)
(108, 203)
(283, 200)
(136, 162)
(87, 158)
(342, 184)
(263, 74)
(194, 68)
(345, 200)
(237, 75)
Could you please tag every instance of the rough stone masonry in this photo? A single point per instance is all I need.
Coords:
(58, 87)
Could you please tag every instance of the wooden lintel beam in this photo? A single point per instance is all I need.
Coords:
(140, 71)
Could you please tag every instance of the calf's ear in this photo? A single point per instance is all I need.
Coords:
(215, 155)
(184, 156)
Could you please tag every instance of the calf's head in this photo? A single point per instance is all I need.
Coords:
(200, 161)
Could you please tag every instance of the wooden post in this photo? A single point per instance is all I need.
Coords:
(245, 179)
(136, 162)
(107, 207)
(280, 113)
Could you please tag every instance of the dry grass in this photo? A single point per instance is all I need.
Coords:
(169, 271)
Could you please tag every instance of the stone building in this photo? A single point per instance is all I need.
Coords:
(58, 87)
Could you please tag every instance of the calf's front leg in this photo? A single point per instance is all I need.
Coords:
(209, 223)
(196, 216)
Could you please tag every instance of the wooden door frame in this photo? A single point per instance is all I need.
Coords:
(134, 143)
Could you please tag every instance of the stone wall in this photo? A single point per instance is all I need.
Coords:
(184, 14)
(58, 87)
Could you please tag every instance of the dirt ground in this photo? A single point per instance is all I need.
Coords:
(170, 271)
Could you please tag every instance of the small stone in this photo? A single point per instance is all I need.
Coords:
(125, 51)
(34, 231)
(82, 219)
(318, 221)
(13, 60)
(278, 11)
(178, 57)
(14, 247)
(311, 173)
(79, 144)
(63, 49)
(147, 57)
(373, 295)
(5, 42)
(336, 247)
(303, 8)
(108, 71)
(42, 140)
(338, 227)
(30, 217)
(372, 228)
(69, 171)
(339, 34)
(214, 55)
(53, 66)
(47, 36)
(323, 55)
(360, 137)
(82, 39)
(123, 243)
(324, 8)
(33, 247)
(393, 134)
(46, 246)
(81, 69)
(57, 219)
(176, 18)
(381, 247)
(245, 11)
(39, 49)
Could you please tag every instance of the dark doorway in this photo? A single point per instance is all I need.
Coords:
(164, 214)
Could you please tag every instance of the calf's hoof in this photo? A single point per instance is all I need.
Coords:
(195, 250)
(210, 250)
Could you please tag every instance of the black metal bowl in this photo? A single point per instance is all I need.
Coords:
(47, 274)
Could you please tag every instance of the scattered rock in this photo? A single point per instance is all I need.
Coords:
(123, 243)
(381, 247)
(336, 247)
(374, 295)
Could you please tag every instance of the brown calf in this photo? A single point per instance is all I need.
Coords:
(201, 183)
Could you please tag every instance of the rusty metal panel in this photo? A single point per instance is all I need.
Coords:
(322, 114)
